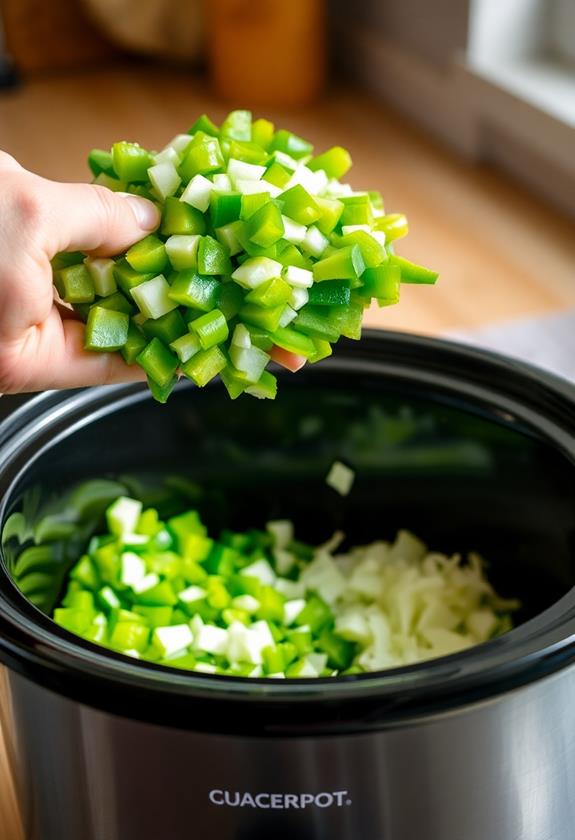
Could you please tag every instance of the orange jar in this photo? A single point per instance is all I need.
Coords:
(267, 52)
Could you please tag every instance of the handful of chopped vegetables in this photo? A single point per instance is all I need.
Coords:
(262, 254)
(261, 604)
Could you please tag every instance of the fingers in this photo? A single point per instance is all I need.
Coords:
(290, 361)
(53, 356)
(87, 217)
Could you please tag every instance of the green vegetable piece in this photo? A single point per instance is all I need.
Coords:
(299, 205)
(266, 387)
(162, 393)
(127, 278)
(230, 301)
(346, 264)
(373, 252)
(128, 635)
(161, 595)
(117, 302)
(75, 621)
(155, 616)
(315, 322)
(316, 615)
(233, 381)
(237, 126)
(339, 652)
(134, 344)
(263, 133)
(393, 225)
(271, 606)
(335, 162)
(322, 350)
(100, 161)
(65, 259)
(251, 203)
(181, 219)
(290, 255)
(291, 144)
(247, 152)
(85, 573)
(265, 227)
(106, 329)
(194, 290)
(131, 162)
(204, 124)
(159, 363)
(331, 293)
(382, 283)
(75, 284)
(211, 329)
(225, 208)
(167, 328)
(277, 175)
(204, 366)
(347, 319)
(357, 210)
(148, 255)
(213, 257)
(294, 342)
(267, 318)
(201, 159)
(413, 273)
(331, 211)
(274, 292)
(185, 347)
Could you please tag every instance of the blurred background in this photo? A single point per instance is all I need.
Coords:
(462, 112)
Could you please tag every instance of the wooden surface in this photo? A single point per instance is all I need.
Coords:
(500, 252)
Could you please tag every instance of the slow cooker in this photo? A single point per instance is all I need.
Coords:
(468, 450)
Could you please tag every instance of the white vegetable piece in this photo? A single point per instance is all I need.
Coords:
(345, 229)
(282, 532)
(299, 298)
(132, 568)
(164, 179)
(228, 236)
(245, 644)
(292, 609)
(248, 186)
(323, 576)
(152, 297)
(168, 155)
(299, 277)
(261, 570)
(123, 516)
(198, 193)
(191, 594)
(314, 242)
(171, 640)
(246, 602)
(340, 478)
(182, 250)
(205, 668)
(147, 582)
(288, 315)
(239, 169)
(222, 183)
(180, 143)
(211, 639)
(255, 271)
(293, 231)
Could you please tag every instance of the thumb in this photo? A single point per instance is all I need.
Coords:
(88, 217)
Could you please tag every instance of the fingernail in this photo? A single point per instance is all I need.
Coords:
(146, 213)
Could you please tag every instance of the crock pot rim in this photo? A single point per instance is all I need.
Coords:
(60, 655)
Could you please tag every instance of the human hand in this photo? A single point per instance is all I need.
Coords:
(42, 343)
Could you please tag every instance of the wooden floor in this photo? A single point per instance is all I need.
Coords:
(500, 252)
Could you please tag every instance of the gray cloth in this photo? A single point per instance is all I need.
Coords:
(547, 341)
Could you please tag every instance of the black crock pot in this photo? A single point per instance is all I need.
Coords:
(468, 450)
